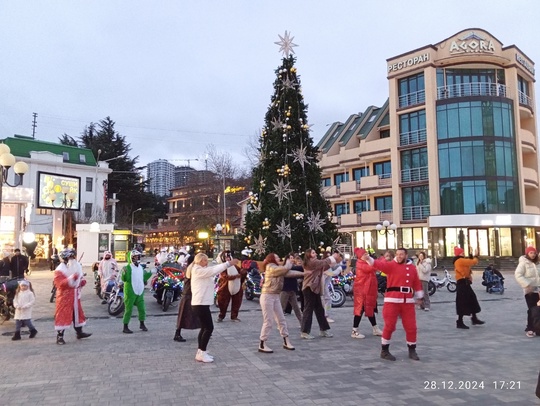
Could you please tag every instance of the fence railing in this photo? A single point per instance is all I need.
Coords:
(414, 174)
(471, 89)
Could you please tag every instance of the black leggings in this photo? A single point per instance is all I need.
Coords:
(207, 325)
(531, 299)
(356, 321)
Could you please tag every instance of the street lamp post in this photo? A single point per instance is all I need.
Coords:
(65, 203)
(7, 160)
(132, 222)
(218, 229)
(386, 229)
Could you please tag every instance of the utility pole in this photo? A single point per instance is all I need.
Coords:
(34, 125)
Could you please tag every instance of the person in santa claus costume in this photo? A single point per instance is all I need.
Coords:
(69, 280)
(108, 271)
(403, 286)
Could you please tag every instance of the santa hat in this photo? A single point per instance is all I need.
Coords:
(529, 249)
(359, 252)
(458, 251)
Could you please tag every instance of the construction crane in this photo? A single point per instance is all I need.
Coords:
(185, 160)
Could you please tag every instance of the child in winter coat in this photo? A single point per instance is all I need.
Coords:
(23, 301)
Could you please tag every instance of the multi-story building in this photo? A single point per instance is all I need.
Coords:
(160, 176)
(63, 185)
(450, 158)
(182, 175)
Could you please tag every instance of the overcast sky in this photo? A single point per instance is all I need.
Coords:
(178, 75)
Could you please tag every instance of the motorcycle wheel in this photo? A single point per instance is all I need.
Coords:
(249, 294)
(167, 300)
(338, 297)
(116, 306)
(53, 295)
(432, 288)
(452, 287)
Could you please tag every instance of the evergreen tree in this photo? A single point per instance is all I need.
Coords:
(287, 211)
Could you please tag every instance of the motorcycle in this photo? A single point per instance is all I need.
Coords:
(116, 298)
(254, 282)
(54, 261)
(168, 285)
(7, 293)
(341, 287)
(97, 279)
(435, 283)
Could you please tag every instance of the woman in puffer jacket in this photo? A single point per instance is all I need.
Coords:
(528, 276)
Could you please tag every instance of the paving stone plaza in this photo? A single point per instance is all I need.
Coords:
(494, 364)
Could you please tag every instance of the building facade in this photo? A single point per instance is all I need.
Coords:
(450, 158)
(160, 176)
(64, 185)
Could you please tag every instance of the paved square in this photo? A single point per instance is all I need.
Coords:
(457, 366)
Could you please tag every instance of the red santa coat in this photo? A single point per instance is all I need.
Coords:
(403, 282)
(68, 296)
(365, 289)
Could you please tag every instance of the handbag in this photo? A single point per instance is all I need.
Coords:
(234, 285)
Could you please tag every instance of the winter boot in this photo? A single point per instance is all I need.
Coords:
(264, 348)
(287, 344)
(476, 321)
(178, 337)
(33, 333)
(142, 326)
(60, 338)
(16, 336)
(412, 352)
(460, 324)
(377, 331)
(80, 333)
(385, 353)
(127, 330)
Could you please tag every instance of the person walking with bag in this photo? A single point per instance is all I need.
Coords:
(528, 276)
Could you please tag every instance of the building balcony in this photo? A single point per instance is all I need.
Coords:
(411, 99)
(330, 191)
(528, 141)
(530, 177)
(413, 137)
(525, 100)
(376, 182)
(471, 89)
(376, 216)
(349, 220)
(414, 174)
(352, 186)
(414, 213)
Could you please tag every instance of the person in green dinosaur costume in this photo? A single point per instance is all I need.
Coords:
(134, 277)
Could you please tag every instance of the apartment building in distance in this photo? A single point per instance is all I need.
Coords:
(160, 175)
(450, 158)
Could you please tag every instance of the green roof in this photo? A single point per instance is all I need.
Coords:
(21, 146)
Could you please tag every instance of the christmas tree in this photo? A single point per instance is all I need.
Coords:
(286, 209)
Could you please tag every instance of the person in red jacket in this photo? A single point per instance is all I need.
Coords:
(403, 285)
(365, 294)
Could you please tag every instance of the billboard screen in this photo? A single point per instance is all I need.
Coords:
(58, 191)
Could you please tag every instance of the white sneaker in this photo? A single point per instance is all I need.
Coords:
(329, 320)
(356, 334)
(307, 336)
(202, 356)
(530, 334)
(326, 333)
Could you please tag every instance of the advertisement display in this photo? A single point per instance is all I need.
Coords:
(58, 191)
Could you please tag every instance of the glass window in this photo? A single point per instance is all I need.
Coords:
(89, 183)
(88, 210)
(383, 169)
(359, 173)
(411, 90)
(341, 208)
(361, 205)
(340, 177)
(82, 158)
(326, 182)
(65, 156)
(384, 134)
(383, 203)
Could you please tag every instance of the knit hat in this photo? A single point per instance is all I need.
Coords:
(359, 252)
(458, 251)
(529, 249)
